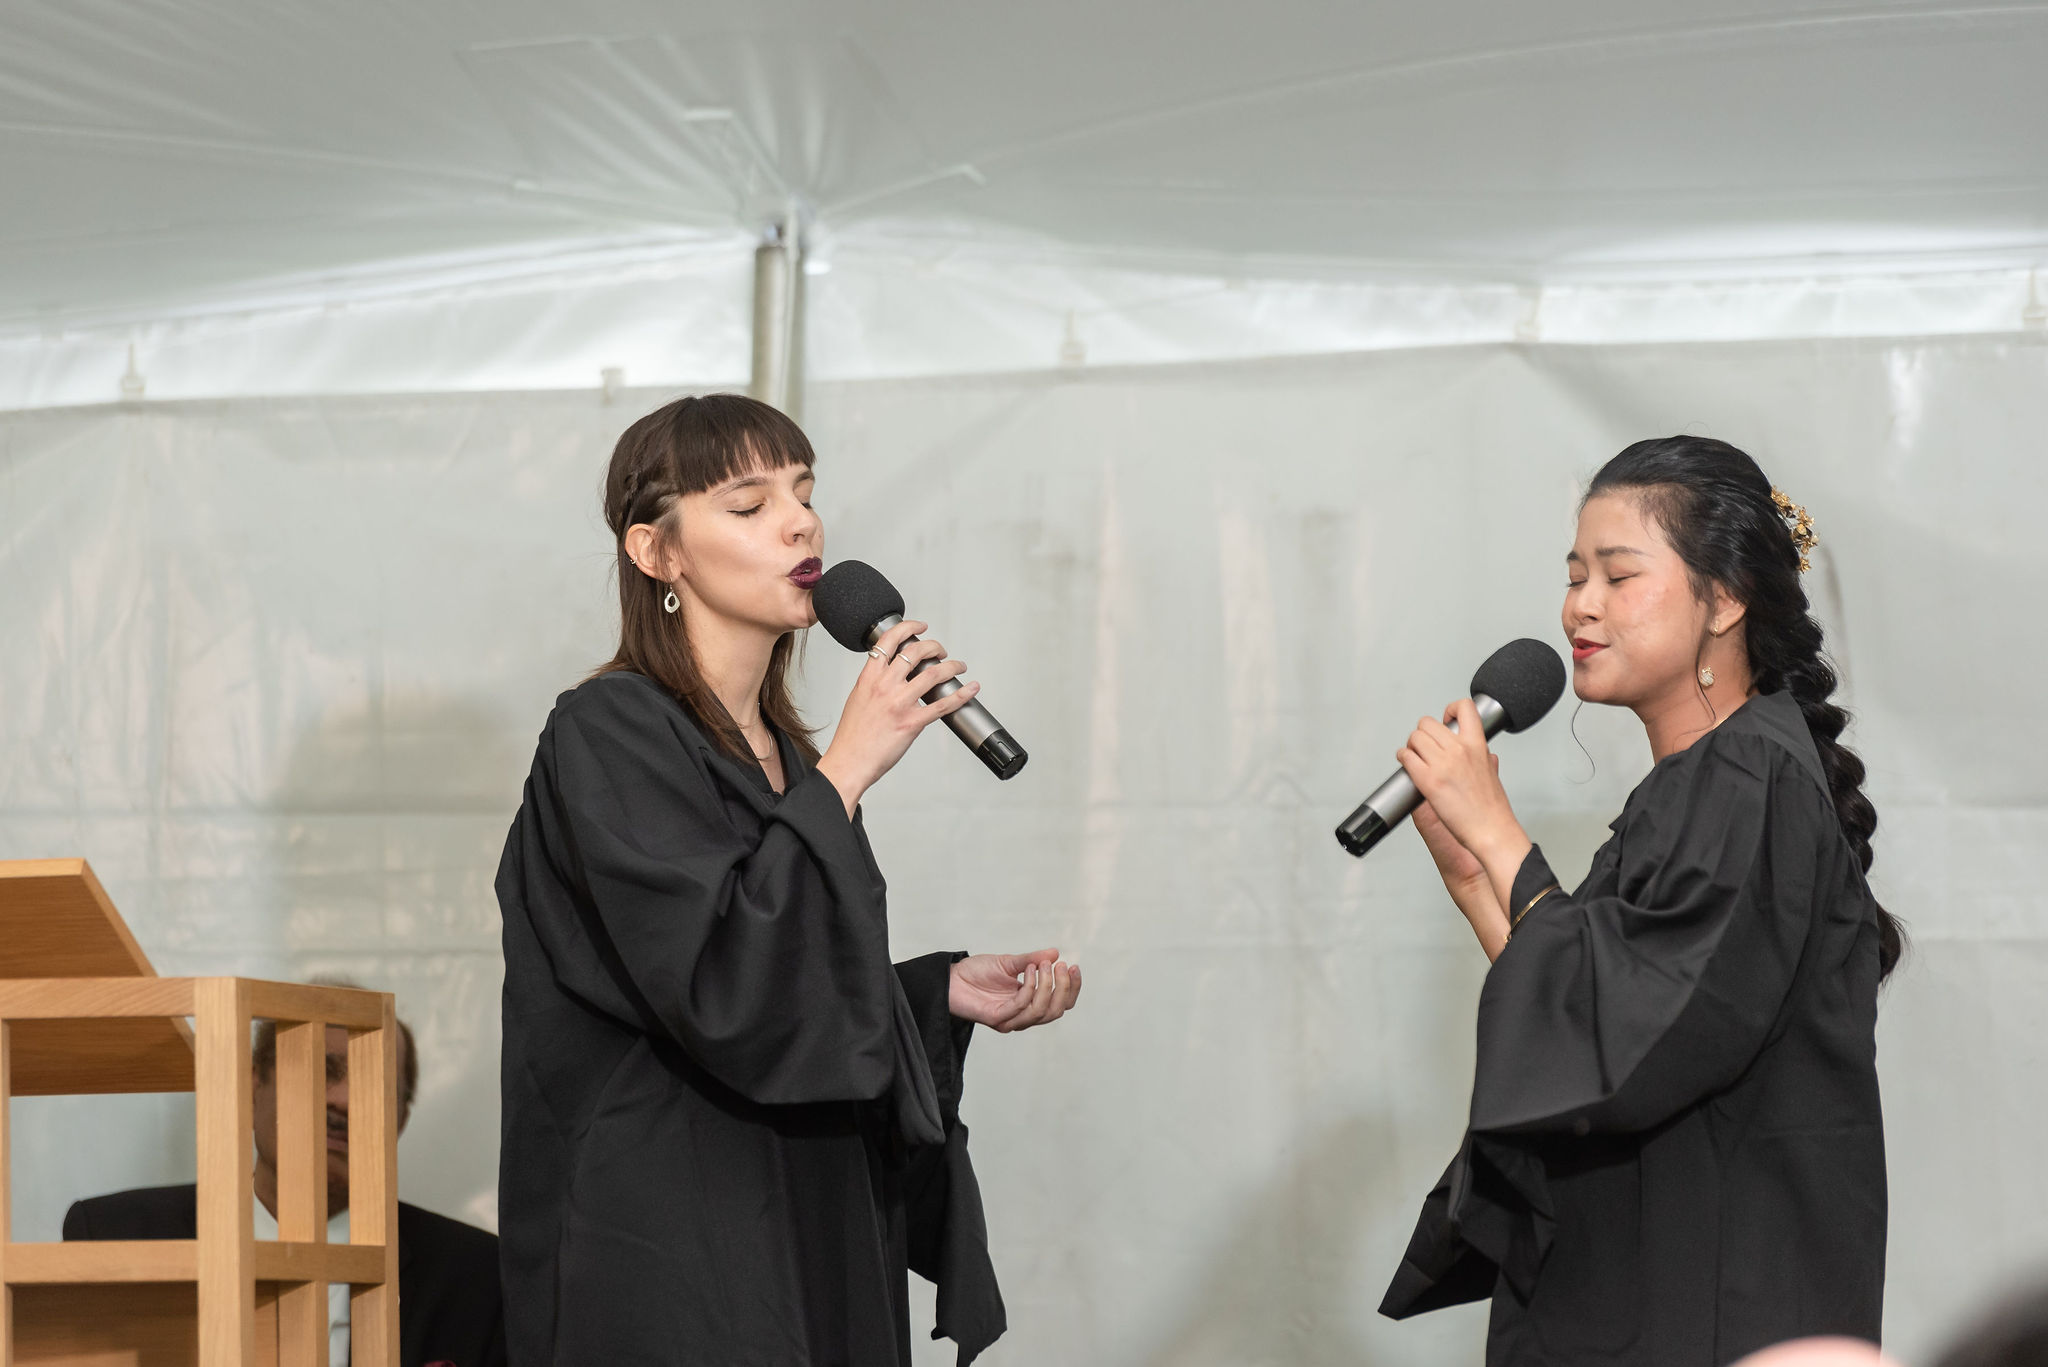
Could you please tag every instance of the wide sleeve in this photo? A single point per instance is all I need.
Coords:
(766, 960)
(942, 1037)
(1612, 1010)
(946, 1228)
(1441, 1267)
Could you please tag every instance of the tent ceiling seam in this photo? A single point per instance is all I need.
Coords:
(510, 183)
(1500, 271)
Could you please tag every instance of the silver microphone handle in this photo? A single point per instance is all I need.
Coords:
(1393, 801)
(972, 722)
(1398, 797)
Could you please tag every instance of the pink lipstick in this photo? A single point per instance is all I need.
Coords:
(1585, 650)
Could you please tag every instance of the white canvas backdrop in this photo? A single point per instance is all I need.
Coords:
(276, 667)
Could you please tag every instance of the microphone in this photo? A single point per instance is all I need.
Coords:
(856, 604)
(1513, 690)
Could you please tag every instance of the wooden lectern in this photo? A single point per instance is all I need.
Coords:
(82, 1011)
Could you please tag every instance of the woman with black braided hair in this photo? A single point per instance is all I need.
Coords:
(1676, 1152)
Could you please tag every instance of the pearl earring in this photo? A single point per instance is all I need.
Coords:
(671, 603)
(1706, 676)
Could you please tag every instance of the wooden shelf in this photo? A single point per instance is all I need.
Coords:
(177, 1260)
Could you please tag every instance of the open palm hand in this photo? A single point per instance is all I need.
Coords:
(1010, 992)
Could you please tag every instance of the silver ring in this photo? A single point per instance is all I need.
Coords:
(875, 654)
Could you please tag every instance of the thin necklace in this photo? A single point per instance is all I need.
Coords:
(759, 758)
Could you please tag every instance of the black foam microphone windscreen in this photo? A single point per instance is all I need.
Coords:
(850, 598)
(1525, 677)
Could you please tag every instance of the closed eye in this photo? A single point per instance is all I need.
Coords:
(747, 512)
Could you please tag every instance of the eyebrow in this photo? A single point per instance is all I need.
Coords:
(757, 479)
(1574, 558)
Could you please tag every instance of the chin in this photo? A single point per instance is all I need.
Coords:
(1587, 688)
(783, 616)
(797, 611)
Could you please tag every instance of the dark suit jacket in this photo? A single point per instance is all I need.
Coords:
(449, 1306)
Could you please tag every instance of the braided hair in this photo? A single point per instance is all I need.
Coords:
(1715, 507)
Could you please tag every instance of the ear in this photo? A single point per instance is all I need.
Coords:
(648, 549)
(1727, 614)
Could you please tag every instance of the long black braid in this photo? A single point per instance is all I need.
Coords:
(1715, 506)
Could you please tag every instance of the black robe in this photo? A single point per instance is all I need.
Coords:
(730, 1124)
(1675, 1153)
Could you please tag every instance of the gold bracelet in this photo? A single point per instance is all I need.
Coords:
(1529, 908)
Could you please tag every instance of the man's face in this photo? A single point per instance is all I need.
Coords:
(264, 1108)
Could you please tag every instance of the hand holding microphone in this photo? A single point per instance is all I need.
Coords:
(1459, 779)
(1450, 781)
(886, 709)
(1512, 691)
(863, 611)
(1459, 867)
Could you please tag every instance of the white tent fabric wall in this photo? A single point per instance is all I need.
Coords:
(276, 667)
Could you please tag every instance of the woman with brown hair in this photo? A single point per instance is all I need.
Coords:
(730, 1124)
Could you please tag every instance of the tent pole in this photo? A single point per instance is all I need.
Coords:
(779, 319)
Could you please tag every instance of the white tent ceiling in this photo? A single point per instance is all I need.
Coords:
(182, 159)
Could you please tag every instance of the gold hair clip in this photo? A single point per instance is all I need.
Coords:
(1798, 522)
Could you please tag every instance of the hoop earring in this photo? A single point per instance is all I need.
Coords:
(1706, 676)
(671, 602)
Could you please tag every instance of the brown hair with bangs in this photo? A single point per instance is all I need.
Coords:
(687, 447)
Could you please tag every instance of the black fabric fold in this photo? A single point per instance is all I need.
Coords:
(948, 1233)
(1441, 1266)
(942, 1037)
